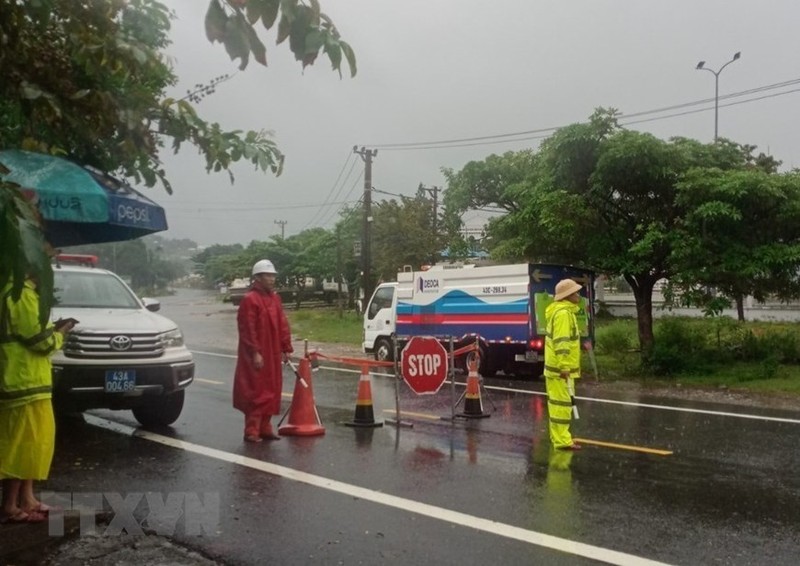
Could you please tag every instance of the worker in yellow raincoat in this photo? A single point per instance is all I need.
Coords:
(562, 361)
(27, 424)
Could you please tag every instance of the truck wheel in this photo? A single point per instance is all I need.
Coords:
(485, 369)
(384, 351)
(160, 411)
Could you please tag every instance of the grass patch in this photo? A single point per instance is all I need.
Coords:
(325, 325)
(749, 376)
(717, 352)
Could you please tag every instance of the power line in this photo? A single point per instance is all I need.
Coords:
(325, 219)
(472, 144)
(190, 208)
(388, 193)
(354, 210)
(711, 108)
(367, 155)
(737, 94)
(410, 145)
(330, 196)
(342, 186)
(541, 133)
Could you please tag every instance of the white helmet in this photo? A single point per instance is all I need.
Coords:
(264, 266)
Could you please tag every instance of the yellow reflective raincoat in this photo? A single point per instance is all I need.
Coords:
(562, 353)
(562, 345)
(25, 348)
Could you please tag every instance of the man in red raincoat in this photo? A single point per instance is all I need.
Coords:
(265, 343)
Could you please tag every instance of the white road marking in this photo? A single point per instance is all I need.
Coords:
(661, 407)
(699, 411)
(214, 354)
(454, 517)
(211, 381)
(590, 399)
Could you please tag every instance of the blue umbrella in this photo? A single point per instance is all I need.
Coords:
(81, 205)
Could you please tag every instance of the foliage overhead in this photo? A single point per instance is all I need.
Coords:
(88, 81)
(309, 31)
(19, 231)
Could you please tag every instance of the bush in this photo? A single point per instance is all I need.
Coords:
(780, 345)
(602, 312)
(617, 344)
(615, 339)
(753, 347)
(788, 347)
(679, 346)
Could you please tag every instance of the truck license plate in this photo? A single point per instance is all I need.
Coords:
(120, 380)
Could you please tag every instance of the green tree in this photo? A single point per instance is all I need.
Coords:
(87, 80)
(225, 268)
(403, 234)
(23, 249)
(207, 264)
(497, 183)
(306, 259)
(347, 232)
(740, 236)
(148, 263)
(608, 198)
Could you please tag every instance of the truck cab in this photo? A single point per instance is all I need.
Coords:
(380, 318)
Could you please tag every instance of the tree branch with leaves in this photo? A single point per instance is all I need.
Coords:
(88, 81)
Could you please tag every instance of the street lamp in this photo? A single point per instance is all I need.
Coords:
(701, 67)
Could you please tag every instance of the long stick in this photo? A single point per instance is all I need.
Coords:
(593, 361)
(303, 382)
(571, 387)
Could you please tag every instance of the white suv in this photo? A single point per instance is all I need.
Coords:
(120, 355)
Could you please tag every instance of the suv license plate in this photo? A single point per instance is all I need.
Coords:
(120, 380)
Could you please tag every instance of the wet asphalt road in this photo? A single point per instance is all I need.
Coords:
(721, 487)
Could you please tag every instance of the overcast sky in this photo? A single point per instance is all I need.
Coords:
(431, 70)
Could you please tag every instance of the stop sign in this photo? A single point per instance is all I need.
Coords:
(423, 364)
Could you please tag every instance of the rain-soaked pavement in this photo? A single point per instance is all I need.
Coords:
(658, 480)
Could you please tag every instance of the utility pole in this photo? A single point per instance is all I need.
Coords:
(283, 226)
(366, 255)
(339, 270)
(435, 192)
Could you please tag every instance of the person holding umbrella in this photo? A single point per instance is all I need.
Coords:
(27, 423)
(265, 342)
(562, 361)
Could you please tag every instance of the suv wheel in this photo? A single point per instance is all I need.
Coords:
(160, 411)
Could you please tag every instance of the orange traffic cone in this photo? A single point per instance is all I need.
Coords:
(365, 416)
(473, 406)
(303, 415)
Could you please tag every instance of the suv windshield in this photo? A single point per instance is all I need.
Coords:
(92, 290)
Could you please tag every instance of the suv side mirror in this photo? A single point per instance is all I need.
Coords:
(151, 304)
